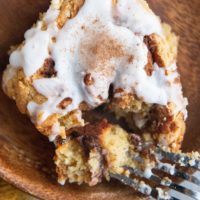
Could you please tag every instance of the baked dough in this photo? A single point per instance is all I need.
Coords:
(86, 60)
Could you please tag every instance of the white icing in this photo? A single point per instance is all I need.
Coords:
(133, 15)
(55, 132)
(97, 24)
(33, 53)
(157, 88)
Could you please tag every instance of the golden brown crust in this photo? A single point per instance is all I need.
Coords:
(47, 125)
(163, 50)
(128, 103)
(149, 66)
(21, 90)
(68, 9)
(173, 139)
(164, 127)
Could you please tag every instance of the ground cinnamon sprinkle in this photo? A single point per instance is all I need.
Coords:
(106, 48)
(98, 50)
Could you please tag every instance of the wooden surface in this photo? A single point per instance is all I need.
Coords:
(26, 156)
(9, 192)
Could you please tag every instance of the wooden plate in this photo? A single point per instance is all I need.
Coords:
(26, 156)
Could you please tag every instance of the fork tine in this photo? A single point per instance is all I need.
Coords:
(134, 183)
(175, 172)
(143, 188)
(182, 159)
(170, 169)
(165, 182)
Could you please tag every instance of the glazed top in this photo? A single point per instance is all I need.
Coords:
(102, 45)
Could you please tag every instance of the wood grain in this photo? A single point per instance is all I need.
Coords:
(9, 192)
(26, 156)
(15, 18)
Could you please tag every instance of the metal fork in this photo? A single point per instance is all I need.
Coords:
(177, 159)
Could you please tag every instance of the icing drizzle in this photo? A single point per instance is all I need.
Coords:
(102, 45)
